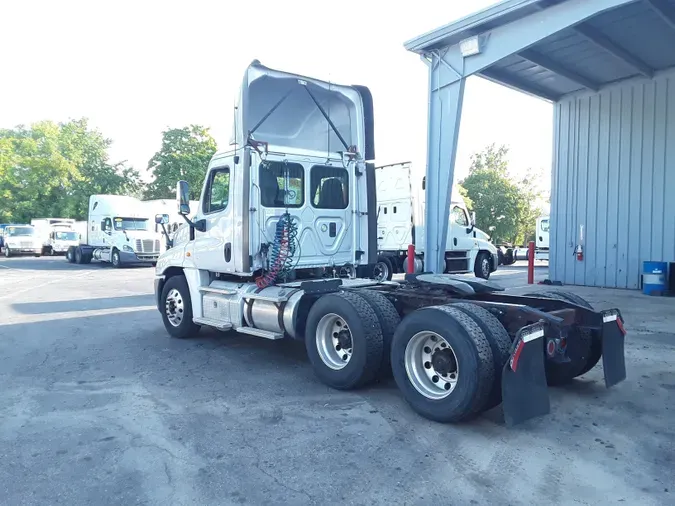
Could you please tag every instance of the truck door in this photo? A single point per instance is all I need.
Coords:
(213, 247)
(459, 238)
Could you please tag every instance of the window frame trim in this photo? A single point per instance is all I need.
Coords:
(302, 185)
(209, 182)
(320, 166)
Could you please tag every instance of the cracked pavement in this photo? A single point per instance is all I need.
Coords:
(99, 406)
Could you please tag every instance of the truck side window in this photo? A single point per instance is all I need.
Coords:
(282, 184)
(107, 225)
(217, 191)
(544, 225)
(329, 187)
(459, 216)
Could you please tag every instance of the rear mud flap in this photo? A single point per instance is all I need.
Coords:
(524, 387)
(613, 359)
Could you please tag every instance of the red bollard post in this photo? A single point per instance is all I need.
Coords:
(530, 263)
(411, 259)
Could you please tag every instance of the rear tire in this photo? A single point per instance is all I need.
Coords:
(70, 254)
(383, 269)
(461, 354)
(343, 340)
(580, 355)
(596, 340)
(388, 318)
(482, 267)
(500, 344)
(176, 308)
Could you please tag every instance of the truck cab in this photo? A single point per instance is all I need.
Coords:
(21, 240)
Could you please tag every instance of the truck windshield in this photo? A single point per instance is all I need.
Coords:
(131, 223)
(17, 231)
(65, 236)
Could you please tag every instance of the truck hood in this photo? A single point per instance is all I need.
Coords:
(281, 109)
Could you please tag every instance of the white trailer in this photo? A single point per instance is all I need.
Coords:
(120, 230)
(57, 234)
(297, 197)
(542, 238)
(400, 222)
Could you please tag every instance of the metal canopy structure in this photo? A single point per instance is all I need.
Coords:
(546, 48)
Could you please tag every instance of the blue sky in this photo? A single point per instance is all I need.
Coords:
(135, 68)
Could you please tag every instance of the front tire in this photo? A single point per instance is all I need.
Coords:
(482, 267)
(442, 363)
(176, 308)
(343, 340)
(8, 253)
(115, 259)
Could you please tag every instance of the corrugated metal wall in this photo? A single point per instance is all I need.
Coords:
(614, 173)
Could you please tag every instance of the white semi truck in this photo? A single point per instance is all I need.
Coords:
(296, 196)
(167, 207)
(57, 234)
(120, 230)
(400, 222)
(542, 239)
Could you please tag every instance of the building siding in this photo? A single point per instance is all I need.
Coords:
(614, 174)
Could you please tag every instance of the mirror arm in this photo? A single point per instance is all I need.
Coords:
(199, 225)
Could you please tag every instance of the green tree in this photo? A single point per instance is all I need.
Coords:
(184, 155)
(51, 169)
(498, 200)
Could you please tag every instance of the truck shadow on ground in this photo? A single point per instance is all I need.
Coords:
(55, 264)
(66, 306)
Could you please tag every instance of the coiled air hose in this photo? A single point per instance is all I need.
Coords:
(281, 252)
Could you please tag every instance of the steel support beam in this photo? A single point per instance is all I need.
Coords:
(446, 95)
(664, 10)
(620, 53)
(557, 68)
(514, 83)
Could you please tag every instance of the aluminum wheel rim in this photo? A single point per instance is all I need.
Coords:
(332, 337)
(380, 271)
(174, 307)
(115, 258)
(420, 365)
(485, 265)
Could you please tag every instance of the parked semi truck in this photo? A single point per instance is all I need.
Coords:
(296, 195)
(167, 207)
(57, 234)
(119, 231)
(400, 222)
(542, 238)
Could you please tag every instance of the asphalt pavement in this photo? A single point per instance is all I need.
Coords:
(99, 406)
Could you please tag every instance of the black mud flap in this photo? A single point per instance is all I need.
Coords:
(613, 359)
(524, 387)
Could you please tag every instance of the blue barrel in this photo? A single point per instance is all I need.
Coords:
(654, 275)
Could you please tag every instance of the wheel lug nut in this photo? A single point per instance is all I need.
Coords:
(338, 347)
(427, 350)
(435, 379)
(344, 357)
(427, 365)
(447, 386)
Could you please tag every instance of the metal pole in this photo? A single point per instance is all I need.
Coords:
(411, 259)
(530, 263)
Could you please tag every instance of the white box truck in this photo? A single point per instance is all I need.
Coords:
(57, 234)
(400, 222)
(21, 240)
(120, 230)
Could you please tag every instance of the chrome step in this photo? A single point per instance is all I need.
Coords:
(259, 333)
(220, 291)
(213, 323)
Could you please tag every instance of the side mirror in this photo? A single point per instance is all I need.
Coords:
(473, 218)
(162, 219)
(183, 197)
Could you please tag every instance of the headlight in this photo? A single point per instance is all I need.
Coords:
(128, 248)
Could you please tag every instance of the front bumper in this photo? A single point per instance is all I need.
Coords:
(25, 251)
(524, 387)
(138, 258)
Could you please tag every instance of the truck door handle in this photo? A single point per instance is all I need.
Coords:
(332, 229)
(228, 251)
(454, 241)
